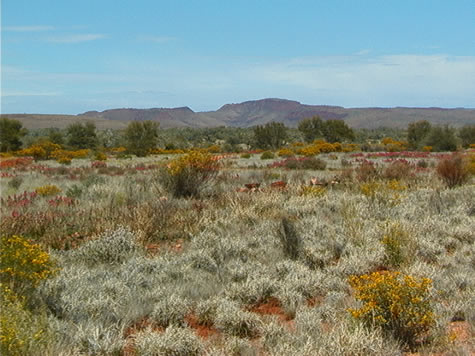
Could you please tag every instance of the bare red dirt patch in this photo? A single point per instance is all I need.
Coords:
(203, 331)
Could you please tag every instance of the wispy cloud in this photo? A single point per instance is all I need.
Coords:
(76, 38)
(156, 39)
(377, 78)
(28, 28)
(22, 93)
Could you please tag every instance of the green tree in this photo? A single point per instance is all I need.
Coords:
(270, 136)
(81, 136)
(337, 131)
(311, 128)
(467, 135)
(140, 137)
(11, 132)
(417, 132)
(56, 136)
(442, 138)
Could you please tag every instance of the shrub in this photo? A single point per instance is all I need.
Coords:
(23, 265)
(15, 182)
(47, 190)
(170, 311)
(396, 244)
(111, 247)
(397, 170)
(366, 172)
(314, 164)
(186, 176)
(453, 171)
(21, 332)
(100, 156)
(285, 152)
(290, 239)
(397, 303)
(246, 155)
(313, 191)
(267, 155)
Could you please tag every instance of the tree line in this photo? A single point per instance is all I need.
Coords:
(141, 136)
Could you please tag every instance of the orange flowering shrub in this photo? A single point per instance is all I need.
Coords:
(397, 303)
(308, 151)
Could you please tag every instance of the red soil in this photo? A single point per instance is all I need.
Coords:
(203, 331)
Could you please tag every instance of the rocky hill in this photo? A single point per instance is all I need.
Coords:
(256, 112)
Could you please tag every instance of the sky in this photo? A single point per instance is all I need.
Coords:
(69, 57)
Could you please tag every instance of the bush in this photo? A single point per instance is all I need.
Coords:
(285, 152)
(397, 303)
(15, 182)
(111, 247)
(21, 332)
(453, 171)
(186, 176)
(397, 170)
(23, 265)
(246, 155)
(47, 190)
(231, 320)
(267, 155)
(290, 239)
(396, 244)
(366, 172)
(314, 164)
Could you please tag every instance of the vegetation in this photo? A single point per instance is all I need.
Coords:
(81, 136)
(11, 132)
(141, 137)
(270, 136)
(198, 250)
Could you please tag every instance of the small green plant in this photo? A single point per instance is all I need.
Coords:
(314, 164)
(15, 182)
(246, 155)
(397, 303)
(396, 244)
(267, 155)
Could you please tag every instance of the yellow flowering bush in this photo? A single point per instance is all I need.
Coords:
(397, 303)
(186, 175)
(23, 264)
(308, 151)
(313, 191)
(41, 150)
(285, 152)
(47, 190)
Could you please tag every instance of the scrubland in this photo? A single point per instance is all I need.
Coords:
(348, 254)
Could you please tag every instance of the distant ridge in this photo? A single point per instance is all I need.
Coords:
(256, 112)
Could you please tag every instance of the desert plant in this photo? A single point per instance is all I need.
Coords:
(397, 303)
(231, 320)
(174, 341)
(47, 190)
(267, 155)
(15, 182)
(186, 176)
(23, 265)
(314, 164)
(366, 171)
(453, 171)
(290, 239)
(397, 245)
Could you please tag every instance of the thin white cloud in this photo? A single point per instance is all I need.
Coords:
(78, 38)
(21, 93)
(156, 39)
(28, 28)
(377, 78)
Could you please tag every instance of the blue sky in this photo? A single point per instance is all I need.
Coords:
(73, 56)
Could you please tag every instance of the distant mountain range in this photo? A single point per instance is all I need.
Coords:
(255, 112)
